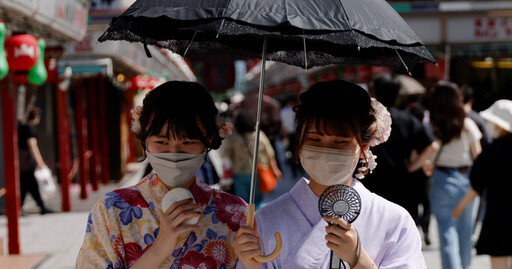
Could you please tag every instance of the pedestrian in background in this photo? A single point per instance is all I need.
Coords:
(270, 121)
(421, 177)
(30, 159)
(239, 148)
(288, 133)
(460, 145)
(487, 174)
(407, 135)
(468, 95)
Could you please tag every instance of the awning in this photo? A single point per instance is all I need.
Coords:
(129, 58)
(62, 20)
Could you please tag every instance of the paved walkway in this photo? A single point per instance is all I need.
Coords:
(53, 240)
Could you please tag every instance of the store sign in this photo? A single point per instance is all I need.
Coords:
(72, 17)
(479, 29)
(145, 82)
(84, 45)
(493, 28)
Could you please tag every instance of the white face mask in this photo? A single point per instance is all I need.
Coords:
(329, 166)
(175, 169)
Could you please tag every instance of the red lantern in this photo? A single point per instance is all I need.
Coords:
(22, 52)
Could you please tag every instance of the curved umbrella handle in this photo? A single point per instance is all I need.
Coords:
(279, 243)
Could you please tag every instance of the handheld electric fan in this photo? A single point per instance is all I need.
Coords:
(175, 195)
(339, 201)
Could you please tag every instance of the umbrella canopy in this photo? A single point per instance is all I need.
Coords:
(301, 33)
(409, 85)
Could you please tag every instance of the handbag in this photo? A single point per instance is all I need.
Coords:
(44, 179)
(267, 181)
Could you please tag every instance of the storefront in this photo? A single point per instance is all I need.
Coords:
(57, 22)
(472, 42)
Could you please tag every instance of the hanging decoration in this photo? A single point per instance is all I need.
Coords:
(22, 52)
(37, 75)
(24, 56)
(4, 66)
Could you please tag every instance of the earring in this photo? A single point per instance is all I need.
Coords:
(368, 162)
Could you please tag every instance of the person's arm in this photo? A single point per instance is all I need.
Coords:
(475, 148)
(474, 134)
(466, 200)
(423, 157)
(34, 151)
(271, 155)
(275, 168)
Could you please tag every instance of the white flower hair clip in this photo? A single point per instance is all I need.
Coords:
(225, 128)
(382, 124)
(135, 112)
(368, 165)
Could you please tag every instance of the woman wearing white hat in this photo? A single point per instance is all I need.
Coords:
(487, 175)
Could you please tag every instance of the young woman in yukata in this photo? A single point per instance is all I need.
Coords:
(178, 125)
(337, 122)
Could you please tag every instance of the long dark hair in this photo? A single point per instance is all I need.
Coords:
(446, 111)
(181, 105)
(336, 108)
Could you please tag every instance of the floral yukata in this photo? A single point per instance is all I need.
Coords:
(387, 231)
(125, 223)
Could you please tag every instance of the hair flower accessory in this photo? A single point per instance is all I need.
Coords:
(382, 124)
(369, 164)
(382, 127)
(136, 111)
(225, 128)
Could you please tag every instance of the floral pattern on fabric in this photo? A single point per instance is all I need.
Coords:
(125, 223)
(195, 259)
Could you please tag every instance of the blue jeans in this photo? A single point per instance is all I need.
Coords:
(447, 188)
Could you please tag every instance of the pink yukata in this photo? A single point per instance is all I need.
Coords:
(387, 231)
(125, 223)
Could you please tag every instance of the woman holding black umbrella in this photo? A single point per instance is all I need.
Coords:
(337, 123)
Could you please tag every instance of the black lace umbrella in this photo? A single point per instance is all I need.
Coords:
(302, 33)
(297, 32)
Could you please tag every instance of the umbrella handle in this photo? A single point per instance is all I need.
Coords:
(279, 242)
